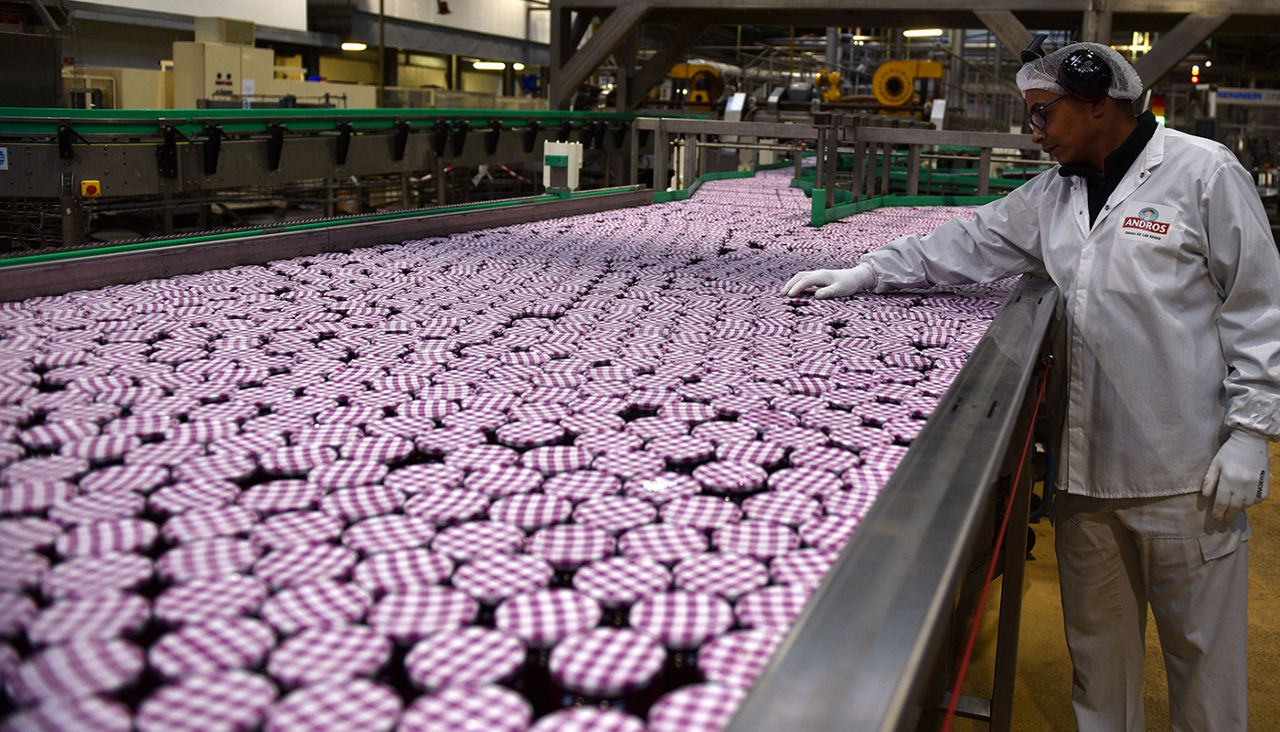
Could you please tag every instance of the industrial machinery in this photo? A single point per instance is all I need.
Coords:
(894, 83)
(702, 84)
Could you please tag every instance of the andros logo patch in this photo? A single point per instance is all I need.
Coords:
(1148, 219)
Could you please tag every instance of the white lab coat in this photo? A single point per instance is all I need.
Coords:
(1172, 304)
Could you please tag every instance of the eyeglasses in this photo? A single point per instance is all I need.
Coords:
(1036, 117)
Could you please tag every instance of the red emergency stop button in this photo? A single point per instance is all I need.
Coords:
(90, 188)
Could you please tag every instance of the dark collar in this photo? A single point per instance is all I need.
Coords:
(1118, 161)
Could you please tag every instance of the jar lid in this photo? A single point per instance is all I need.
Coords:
(730, 476)
(209, 522)
(343, 704)
(556, 459)
(701, 512)
(725, 575)
(402, 570)
(297, 565)
(664, 543)
(493, 579)
(606, 662)
(92, 712)
(414, 614)
(186, 495)
(448, 440)
(424, 478)
(775, 607)
(103, 617)
(720, 432)
(206, 558)
(16, 611)
(737, 659)
(75, 669)
(526, 435)
(217, 645)
(297, 460)
(479, 457)
(54, 435)
(579, 485)
(547, 411)
(619, 581)
(859, 438)
(589, 719)
(319, 604)
(465, 657)
(680, 619)
(353, 504)
(49, 467)
(829, 532)
(35, 497)
(758, 539)
(568, 546)
(852, 503)
(347, 474)
(28, 534)
(233, 699)
(652, 427)
(596, 415)
(447, 506)
(788, 508)
(100, 448)
(530, 511)
(504, 480)
(167, 453)
(696, 708)
(614, 514)
(489, 707)
(630, 465)
(279, 496)
(86, 509)
(22, 570)
(764, 453)
(105, 537)
(478, 539)
(89, 576)
(330, 653)
(808, 481)
(662, 487)
(332, 435)
(296, 528)
(210, 598)
(388, 533)
(802, 567)
(385, 449)
(226, 466)
(543, 617)
(610, 441)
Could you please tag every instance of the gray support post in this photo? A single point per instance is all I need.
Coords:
(633, 170)
(859, 169)
(886, 162)
(661, 156)
(690, 173)
(913, 170)
(984, 171)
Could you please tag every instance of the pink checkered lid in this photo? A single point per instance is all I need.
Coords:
(664, 543)
(106, 616)
(489, 707)
(402, 569)
(475, 419)
(478, 539)
(589, 719)
(75, 669)
(809, 481)
(386, 449)
(48, 467)
(759, 539)
(606, 662)
(852, 503)
(296, 528)
(680, 619)
(556, 459)
(701, 512)
(530, 511)
(353, 504)
(569, 546)
(297, 460)
(28, 534)
(208, 522)
(297, 565)
(775, 607)
(630, 465)
(615, 514)
(688, 411)
(101, 448)
(424, 478)
(696, 708)
(34, 497)
(465, 657)
(226, 466)
(662, 487)
(504, 480)
(330, 653)
(528, 435)
(207, 558)
(829, 532)
(720, 432)
(89, 576)
(86, 509)
(216, 645)
(166, 453)
(414, 614)
(737, 659)
(491, 580)
(580, 485)
(211, 598)
(730, 476)
(802, 567)
(446, 506)
(619, 581)
(653, 427)
(179, 497)
(317, 605)
(479, 457)
(764, 453)
(16, 610)
(278, 496)
(349, 704)
(789, 508)
(347, 474)
(105, 537)
(834, 459)
(448, 440)
(234, 699)
(21, 570)
(89, 713)
(596, 416)
(725, 575)
(682, 449)
(388, 533)
(543, 617)
(610, 441)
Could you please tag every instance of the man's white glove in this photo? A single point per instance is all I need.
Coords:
(1238, 476)
(832, 282)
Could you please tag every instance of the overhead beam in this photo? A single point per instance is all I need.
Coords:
(660, 63)
(566, 79)
(1173, 46)
(45, 16)
(1096, 25)
(1007, 29)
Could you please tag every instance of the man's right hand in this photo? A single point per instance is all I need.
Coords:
(831, 282)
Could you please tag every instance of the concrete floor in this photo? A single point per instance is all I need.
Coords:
(1042, 697)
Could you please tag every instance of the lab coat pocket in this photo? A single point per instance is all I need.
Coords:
(1222, 543)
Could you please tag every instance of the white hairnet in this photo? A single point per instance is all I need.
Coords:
(1043, 72)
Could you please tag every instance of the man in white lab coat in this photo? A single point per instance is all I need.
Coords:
(1171, 279)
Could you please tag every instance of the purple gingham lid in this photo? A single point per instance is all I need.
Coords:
(464, 657)
(790, 508)
(475, 419)
(504, 480)
(217, 645)
(34, 497)
(47, 467)
(662, 487)
(652, 427)
(297, 565)
(598, 415)
(695, 708)
(53, 435)
(179, 497)
(834, 459)
(447, 506)
(543, 617)
(28, 534)
(737, 659)
(226, 466)
(852, 503)
(332, 435)
(207, 558)
(76, 669)
(868, 477)
(347, 474)
(297, 460)
(580, 485)
(447, 440)
(92, 713)
(721, 432)
(104, 616)
(296, 528)
(662, 542)
(104, 537)
(589, 719)
(726, 575)
(759, 539)
(208, 522)
(802, 567)
(479, 457)
(701, 512)
(615, 514)
(351, 704)
(86, 509)
(89, 576)
(809, 481)
(353, 504)
(414, 614)
(401, 570)
(796, 438)
(278, 496)
(682, 449)
(326, 654)
(859, 438)
(387, 449)
(610, 441)
(16, 610)
(232, 699)
(493, 579)
(166, 453)
(318, 605)
(100, 448)
(211, 598)
(490, 707)
(829, 532)
(388, 533)
(630, 465)
(764, 453)
(619, 581)
(730, 477)
(22, 570)
(528, 435)
(424, 478)
(775, 607)
(569, 546)
(478, 539)
(606, 662)
(530, 511)
(556, 459)
(680, 619)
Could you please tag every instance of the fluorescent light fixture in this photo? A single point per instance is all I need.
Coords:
(488, 65)
(922, 33)
(1208, 64)
(517, 66)
(354, 46)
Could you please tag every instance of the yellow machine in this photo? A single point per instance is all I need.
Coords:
(894, 83)
(705, 84)
(829, 83)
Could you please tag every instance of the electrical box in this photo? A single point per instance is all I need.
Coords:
(561, 164)
(90, 188)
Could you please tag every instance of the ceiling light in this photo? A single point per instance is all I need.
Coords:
(922, 33)
(488, 66)
(517, 66)
(354, 46)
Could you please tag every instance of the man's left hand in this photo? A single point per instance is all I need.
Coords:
(1238, 476)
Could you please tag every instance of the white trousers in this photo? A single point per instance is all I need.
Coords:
(1117, 555)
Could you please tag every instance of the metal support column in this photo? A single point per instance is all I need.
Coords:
(913, 170)
(984, 171)
(690, 171)
(661, 156)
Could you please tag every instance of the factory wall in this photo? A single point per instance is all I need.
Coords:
(507, 18)
(291, 14)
